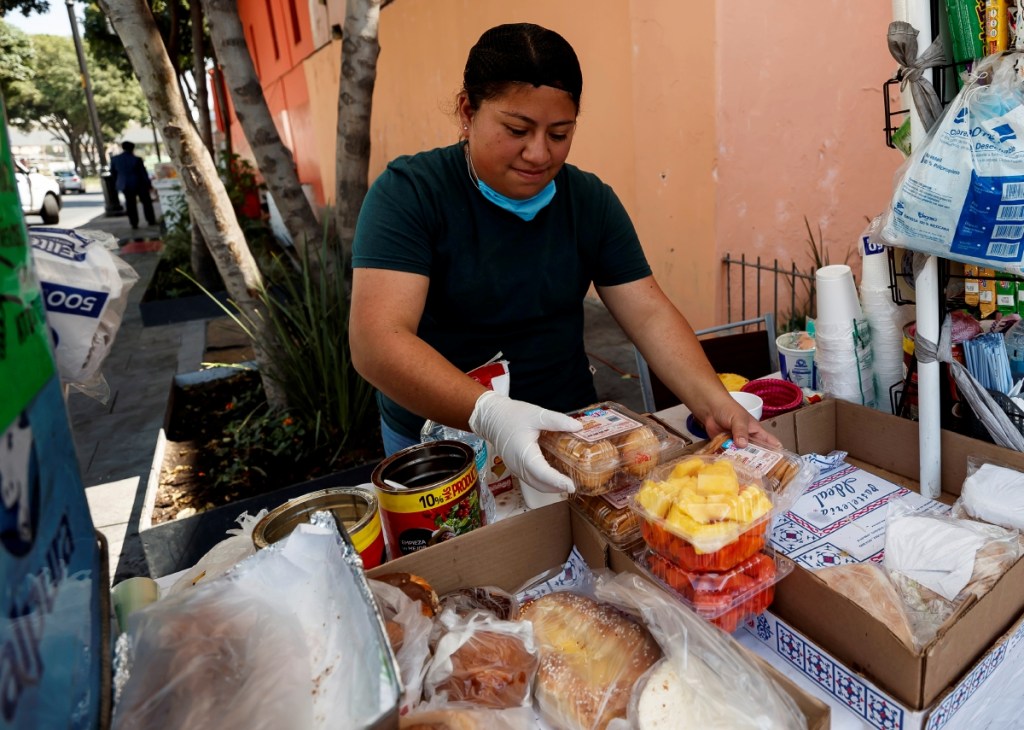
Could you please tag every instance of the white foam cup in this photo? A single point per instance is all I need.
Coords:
(751, 401)
(836, 295)
(798, 366)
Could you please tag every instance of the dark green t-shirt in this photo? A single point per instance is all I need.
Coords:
(499, 283)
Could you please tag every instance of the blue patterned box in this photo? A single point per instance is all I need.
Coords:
(984, 697)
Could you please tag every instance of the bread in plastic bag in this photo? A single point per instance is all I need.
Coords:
(869, 586)
(959, 195)
(268, 645)
(724, 688)
(467, 717)
(992, 493)
(85, 289)
(408, 630)
(938, 562)
(482, 660)
(491, 599)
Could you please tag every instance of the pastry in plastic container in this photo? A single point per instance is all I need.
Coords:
(787, 475)
(611, 514)
(704, 512)
(726, 598)
(615, 448)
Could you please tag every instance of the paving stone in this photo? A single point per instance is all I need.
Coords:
(111, 503)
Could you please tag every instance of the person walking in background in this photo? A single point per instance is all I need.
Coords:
(131, 178)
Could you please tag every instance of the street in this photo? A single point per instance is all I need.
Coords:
(76, 211)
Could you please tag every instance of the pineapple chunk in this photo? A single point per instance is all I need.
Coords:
(718, 481)
(653, 498)
(687, 468)
(707, 513)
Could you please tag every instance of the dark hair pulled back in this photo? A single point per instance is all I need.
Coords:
(521, 53)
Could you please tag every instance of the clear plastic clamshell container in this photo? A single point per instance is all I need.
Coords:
(611, 514)
(615, 448)
(704, 513)
(787, 475)
(726, 598)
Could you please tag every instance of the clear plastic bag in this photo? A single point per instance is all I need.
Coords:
(958, 195)
(992, 493)
(223, 556)
(717, 685)
(409, 632)
(482, 660)
(938, 563)
(461, 716)
(261, 647)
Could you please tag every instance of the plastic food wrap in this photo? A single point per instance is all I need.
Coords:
(728, 598)
(462, 716)
(612, 515)
(591, 654)
(85, 288)
(787, 475)
(616, 448)
(223, 556)
(483, 661)
(408, 631)
(869, 586)
(720, 685)
(992, 493)
(704, 512)
(261, 646)
(490, 599)
(938, 562)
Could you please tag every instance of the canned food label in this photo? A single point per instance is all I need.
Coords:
(369, 543)
(603, 423)
(439, 496)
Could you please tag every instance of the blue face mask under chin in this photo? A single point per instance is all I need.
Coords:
(525, 209)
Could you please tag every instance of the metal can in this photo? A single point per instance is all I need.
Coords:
(428, 493)
(353, 508)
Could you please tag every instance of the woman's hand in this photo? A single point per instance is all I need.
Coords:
(729, 416)
(512, 427)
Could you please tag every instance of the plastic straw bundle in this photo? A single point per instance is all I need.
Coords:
(988, 362)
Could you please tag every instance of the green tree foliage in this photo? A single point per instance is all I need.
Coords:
(25, 7)
(17, 57)
(54, 98)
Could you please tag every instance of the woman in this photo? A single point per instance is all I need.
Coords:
(490, 246)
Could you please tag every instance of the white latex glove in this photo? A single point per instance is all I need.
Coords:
(513, 426)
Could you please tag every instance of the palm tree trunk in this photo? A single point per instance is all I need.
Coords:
(208, 199)
(359, 51)
(273, 158)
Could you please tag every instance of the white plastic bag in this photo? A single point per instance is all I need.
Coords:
(223, 556)
(85, 289)
(961, 194)
(992, 493)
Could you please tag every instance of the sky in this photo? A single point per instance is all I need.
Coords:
(54, 22)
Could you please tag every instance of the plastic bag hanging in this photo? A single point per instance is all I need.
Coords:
(902, 39)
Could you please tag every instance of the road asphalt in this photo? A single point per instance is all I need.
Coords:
(116, 440)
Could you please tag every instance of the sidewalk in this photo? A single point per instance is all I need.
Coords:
(116, 442)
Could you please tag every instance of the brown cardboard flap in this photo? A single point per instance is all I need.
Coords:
(816, 428)
(817, 713)
(506, 554)
(783, 428)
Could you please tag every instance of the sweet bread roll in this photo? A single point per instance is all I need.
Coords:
(867, 585)
(639, 451)
(590, 464)
(441, 720)
(415, 588)
(491, 669)
(591, 654)
(501, 604)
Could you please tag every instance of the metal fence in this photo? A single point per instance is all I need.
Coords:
(755, 287)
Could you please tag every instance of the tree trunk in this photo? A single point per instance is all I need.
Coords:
(359, 51)
(208, 199)
(273, 158)
(203, 265)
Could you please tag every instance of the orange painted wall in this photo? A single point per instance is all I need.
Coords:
(720, 125)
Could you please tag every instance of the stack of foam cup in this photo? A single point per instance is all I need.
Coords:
(843, 338)
(884, 318)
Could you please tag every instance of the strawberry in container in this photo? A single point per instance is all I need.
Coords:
(725, 598)
(704, 513)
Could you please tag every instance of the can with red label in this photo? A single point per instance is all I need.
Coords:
(428, 493)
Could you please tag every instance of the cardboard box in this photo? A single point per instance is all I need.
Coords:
(516, 550)
(888, 446)
(990, 680)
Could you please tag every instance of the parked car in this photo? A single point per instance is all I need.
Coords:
(69, 182)
(40, 195)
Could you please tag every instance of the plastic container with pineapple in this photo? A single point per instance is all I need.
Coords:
(611, 514)
(615, 449)
(704, 513)
(787, 475)
(726, 598)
